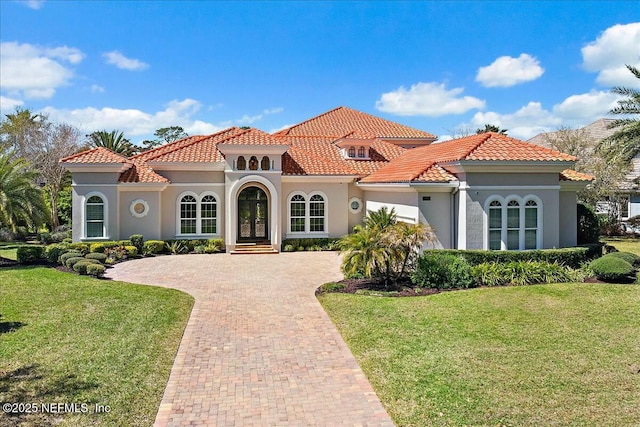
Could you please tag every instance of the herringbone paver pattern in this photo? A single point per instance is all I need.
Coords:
(259, 350)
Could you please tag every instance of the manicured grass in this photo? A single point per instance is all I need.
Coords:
(562, 354)
(72, 339)
(624, 244)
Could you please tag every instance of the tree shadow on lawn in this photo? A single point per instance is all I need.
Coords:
(32, 386)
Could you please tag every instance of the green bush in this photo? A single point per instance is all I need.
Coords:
(81, 266)
(45, 237)
(216, 244)
(331, 287)
(125, 243)
(70, 262)
(570, 257)
(610, 268)
(58, 236)
(442, 271)
(200, 249)
(153, 247)
(289, 248)
(588, 225)
(631, 258)
(489, 274)
(131, 250)
(96, 270)
(523, 273)
(67, 240)
(137, 240)
(325, 243)
(100, 247)
(53, 252)
(80, 247)
(62, 259)
(176, 247)
(97, 256)
(30, 254)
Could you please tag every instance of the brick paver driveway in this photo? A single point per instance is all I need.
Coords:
(258, 348)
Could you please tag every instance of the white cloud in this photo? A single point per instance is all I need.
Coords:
(247, 119)
(281, 128)
(32, 4)
(119, 60)
(508, 71)
(427, 99)
(611, 51)
(7, 105)
(532, 119)
(97, 89)
(35, 72)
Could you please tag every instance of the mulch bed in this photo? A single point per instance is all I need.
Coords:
(403, 289)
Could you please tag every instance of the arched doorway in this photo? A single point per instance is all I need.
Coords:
(253, 215)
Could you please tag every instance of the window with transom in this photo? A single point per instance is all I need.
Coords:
(95, 217)
(197, 215)
(514, 223)
(307, 213)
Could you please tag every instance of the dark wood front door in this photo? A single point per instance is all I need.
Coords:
(253, 218)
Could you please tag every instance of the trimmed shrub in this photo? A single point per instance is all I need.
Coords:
(45, 237)
(53, 252)
(588, 225)
(96, 270)
(331, 287)
(125, 243)
(62, 259)
(631, 258)
(523, 273)
(81, 266)
(153, 247)
(289, 248)
(80, 247)
(329, 244)
(610, 268)
(30, 254)
(442, 271)
(137, 240)
(570, 257)
(100, 247)
(70, 262)
(217, 244)
(97, 256)
(67, 240)
(131, 250)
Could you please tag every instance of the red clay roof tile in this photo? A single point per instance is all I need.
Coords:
(95, 155)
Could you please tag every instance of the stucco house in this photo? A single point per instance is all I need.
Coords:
(320, 177)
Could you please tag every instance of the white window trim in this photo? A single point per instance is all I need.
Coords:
(307, 215)
(504, 201)
(105, 207)
(198, 198)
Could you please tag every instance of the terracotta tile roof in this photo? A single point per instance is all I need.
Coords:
(95, 155)
(489, 146)
(191, 149)
(571, 175)
(343, 121)
(141, 172)
(252, 136)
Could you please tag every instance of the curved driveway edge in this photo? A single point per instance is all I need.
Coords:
(258, 348)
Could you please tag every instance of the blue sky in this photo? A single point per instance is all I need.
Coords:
(444, 67)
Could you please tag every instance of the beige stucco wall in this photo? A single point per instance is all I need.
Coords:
(149, 225)
(109, 194)
(436, 213)
(336, 208)
(355, 218)
(405, 203)
(169, 203)
(195, 177)
(568, 215)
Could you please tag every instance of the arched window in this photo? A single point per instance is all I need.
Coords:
(253, 163)
(242, 163)
(513, 225)
(208, 215)
(495, 225)
(188, 214)
(352, 151)
(265, 164)
(361, 152)
(531, 224)
(316, 214)
(297, 214)
(516, 225)
(94, 216)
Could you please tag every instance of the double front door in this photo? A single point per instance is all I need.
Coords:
(253, 219)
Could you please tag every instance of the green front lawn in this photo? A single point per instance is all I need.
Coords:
(563, 354)
(76, 340)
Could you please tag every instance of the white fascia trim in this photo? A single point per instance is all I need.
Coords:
(97, 167)
(573, 185)
(186, 166)
(197, 184)
(95, 185)
(246, 171)
(141, 186)
(504, 166)
(309, 235)
(318, 178)
(513, 187)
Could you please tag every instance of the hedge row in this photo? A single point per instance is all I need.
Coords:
(307, 244)
(570, 257)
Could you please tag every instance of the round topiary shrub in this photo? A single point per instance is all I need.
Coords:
(631, 258)
(96, 270)
(70, 262)
(611, 268)
(442, 271)
(94, 255)
(65, 256)
(131, 250)
(289, 248)
(151, 247)
(53, 252)
(81, 266)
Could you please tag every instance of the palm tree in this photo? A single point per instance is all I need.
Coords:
(491, 128)
(21, 200)
(624, 144)
(114, 141)
(363, 252)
